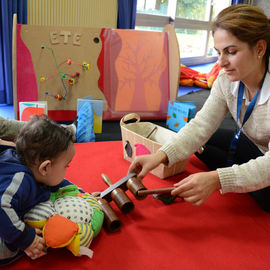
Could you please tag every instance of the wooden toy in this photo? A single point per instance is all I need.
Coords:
(116, 192)
(128, 182)
(166, 190)
(111, 221)
(119, 196)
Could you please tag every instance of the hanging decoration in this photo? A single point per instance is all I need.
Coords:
(64, 77)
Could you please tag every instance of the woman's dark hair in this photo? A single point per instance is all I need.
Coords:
(246, 22)
(41, 139)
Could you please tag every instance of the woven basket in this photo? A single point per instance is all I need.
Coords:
(152, 137)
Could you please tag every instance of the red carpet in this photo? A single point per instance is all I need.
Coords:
(227, 232)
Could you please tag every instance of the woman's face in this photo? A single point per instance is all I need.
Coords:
(237, 59)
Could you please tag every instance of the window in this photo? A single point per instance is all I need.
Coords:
(191, 19)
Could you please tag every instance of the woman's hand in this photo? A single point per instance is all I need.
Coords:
(196, 188)
(145, 163)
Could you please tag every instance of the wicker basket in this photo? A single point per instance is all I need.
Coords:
(150, 136)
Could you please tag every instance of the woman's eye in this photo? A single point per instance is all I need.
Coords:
(231, 52)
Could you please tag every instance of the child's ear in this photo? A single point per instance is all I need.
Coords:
(44, 167)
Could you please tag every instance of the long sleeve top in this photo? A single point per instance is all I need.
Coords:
(246, 177)
(19, 192)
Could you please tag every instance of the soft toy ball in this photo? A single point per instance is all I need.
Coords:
(76, 209)
(69, 219)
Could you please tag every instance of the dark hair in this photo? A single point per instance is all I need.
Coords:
(246, 22)
(41, 139)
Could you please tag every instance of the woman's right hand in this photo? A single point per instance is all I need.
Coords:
(145, 163)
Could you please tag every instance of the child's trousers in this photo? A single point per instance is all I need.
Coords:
(6, 255)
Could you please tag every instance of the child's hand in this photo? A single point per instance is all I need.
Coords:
(96, 194)
(37, 248)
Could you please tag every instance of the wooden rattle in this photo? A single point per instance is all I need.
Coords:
(155, 191)
(116, 192)
(111, 220)
(128, 182)
(119, 196)
(136, 186)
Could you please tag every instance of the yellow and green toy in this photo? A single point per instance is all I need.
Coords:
(68, 219)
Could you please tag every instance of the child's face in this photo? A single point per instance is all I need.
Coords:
(57, 169)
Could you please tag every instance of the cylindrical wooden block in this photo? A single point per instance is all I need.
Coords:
(122, 200)
(111, 220)
(155, 191)
(134, 186)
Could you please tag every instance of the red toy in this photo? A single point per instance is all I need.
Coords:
(190, 77)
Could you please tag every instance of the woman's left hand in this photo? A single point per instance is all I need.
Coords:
(196, 188)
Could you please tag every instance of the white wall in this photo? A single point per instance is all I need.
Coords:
(265, 4)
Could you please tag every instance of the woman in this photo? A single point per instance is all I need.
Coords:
(238, 161)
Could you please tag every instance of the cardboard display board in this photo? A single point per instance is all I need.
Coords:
(129, 70)
(136, 75)
(174, 61)
(50, 52)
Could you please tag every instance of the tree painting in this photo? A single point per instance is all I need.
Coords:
(139, 68)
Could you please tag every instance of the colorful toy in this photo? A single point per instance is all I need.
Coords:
(190, 77)
(72, 219)
(71, 78)
(69, 219)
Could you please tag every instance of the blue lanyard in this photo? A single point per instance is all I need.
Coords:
(249, 110)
